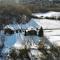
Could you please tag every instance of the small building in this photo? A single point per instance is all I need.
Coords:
(8, 29)
(12, 28)
(30, 32)
(34, 32)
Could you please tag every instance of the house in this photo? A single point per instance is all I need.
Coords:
(8, 29)
(12, 28)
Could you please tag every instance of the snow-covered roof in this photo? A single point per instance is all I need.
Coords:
(9, 27)
(28, 26)
(13, 26)
(16, 26)
(31, 28)
(33, 24)
(23, 26)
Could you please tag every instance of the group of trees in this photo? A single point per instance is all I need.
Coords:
(9, 14)
(22, 53)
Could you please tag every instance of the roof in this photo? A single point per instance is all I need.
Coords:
(12, 26)
(34, 23)
(9, 27)
(30, 25)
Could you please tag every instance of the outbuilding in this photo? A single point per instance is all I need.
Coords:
(8, 29)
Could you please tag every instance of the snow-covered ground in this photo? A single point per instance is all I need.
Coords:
(48, 14)
(53, 36)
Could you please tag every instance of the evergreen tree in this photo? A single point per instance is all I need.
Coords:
(41, 32)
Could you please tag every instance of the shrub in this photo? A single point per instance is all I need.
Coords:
(21, 54)
(47, 18)
(50, 18)
(24, 54)
(13, 54)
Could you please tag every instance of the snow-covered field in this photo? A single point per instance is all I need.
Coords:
(48, 14)
(53, 36)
